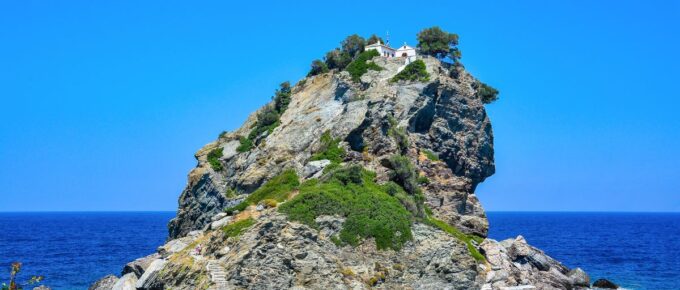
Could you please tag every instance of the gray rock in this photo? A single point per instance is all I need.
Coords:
(174, 246)
(218, 216)
(605, 284)
(220, 223)
(443, 115)
(138, 266)
(127, 282)
(42, 287)
(105, 283)
(149, 279)
(314, 166)
(579, 277)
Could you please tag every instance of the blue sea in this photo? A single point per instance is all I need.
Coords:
(72, 250)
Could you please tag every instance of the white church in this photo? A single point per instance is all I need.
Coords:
(405, 51)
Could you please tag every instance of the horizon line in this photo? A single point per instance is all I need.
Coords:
(490, 211)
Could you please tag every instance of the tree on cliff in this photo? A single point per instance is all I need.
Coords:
(337, 59)
(318, 67)
(374, 39)
(353, 45)
(438, 43)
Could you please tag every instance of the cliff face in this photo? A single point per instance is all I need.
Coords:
(440, 126)
(442, 116)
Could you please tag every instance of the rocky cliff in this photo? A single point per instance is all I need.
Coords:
(352, 146)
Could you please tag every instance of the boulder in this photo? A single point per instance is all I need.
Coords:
(174, 246)
(218, 224)
(127, 282)
(314, 166)
(42, 287)
(579, 277)
(148, 279)
(219, 216)
(139, 266)
(105, 283)
(605, 284)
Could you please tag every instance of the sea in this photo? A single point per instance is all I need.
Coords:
(72, 250)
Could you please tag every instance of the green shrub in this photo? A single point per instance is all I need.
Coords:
(268, 117)
(399, 134)
(362, 64)
(276, 188)
(467, 239)
(282, 98)
(414, 71)
(430, 155)
(438, 43)
(214, 159)
(330, 149)
(318, 67)
(368, 210)
(236, 228)
(337, 59)
(486, 93)
(423, 180)
(246, 144)
(404, 173)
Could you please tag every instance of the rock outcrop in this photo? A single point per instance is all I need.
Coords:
(440, 126)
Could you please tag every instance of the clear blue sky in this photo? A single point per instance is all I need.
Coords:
(103, 103)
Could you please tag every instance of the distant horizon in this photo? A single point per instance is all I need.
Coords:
(104, 105)
(174, 211)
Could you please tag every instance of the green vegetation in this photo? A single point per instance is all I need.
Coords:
(438, 43)
(467, 239)
(268, 117)
(246, 144)
(318, 67)
(399, 135)
(362, 64)
(330, 149)
(276, 188)
(404, 174)
(415, 71)
(214, 159)
(374, 39)
(486, 93)
(353, 45)
(423, 180)
(236, 228)
(430, 155)
(351, 192)
(337, 59)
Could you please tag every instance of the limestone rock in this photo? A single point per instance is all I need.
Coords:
(140, 265)
(148, 279)
(314, 166)
(440, 126)
(105, 283)
(127, 282)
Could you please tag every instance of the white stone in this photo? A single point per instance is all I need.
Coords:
(220, 223)
(314, 167)
(127, 282)
(150, 273)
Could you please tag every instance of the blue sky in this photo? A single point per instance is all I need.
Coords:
(104, 103)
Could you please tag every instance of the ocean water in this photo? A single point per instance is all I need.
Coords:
(634, 250)
(72, 250)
